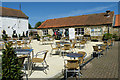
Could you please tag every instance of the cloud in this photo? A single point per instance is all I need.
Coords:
(35, 19)
(80, 12)
(92, 10)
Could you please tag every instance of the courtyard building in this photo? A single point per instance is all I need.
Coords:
(91, 24)
(13, 20)
(116, 25)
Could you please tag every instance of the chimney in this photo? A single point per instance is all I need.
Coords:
(107, 11)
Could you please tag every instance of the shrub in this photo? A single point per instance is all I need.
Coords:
(11, 67)
(116, 37)
(4, 35)
(23, 34)
(38, 37)
(107, 36)
(14, 36)
(31, 33)
(48, 35)
(4, 32)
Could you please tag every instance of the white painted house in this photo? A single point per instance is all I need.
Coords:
(12, 19)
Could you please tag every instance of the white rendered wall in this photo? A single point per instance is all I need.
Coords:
(9, 24)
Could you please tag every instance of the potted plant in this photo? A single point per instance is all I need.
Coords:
(38, 37)
(23, 34)
(116, 37)
(31, 33)
(11, 67)
(20, 37)
(107, 36)
(4, 35)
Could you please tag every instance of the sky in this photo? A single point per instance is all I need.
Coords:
(60, 0)
(41, 11)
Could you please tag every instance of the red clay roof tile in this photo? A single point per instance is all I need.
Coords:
(8, 12)
(90, 19)
(117, 20)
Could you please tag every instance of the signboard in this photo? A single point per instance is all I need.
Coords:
(71, 33)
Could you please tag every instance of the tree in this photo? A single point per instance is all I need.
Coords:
(37, 24)
(42, 21)
(29, 26)
(11, 67)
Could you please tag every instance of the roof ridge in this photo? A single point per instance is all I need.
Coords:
(89, 19)
(78, 16)
(9, 8)
(12, 12)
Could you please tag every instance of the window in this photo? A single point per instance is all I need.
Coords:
(96, 31)
(79, 31)
(45, 32)
(55, 30)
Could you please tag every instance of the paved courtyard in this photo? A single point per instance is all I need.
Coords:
(56, 63)
(103, 67)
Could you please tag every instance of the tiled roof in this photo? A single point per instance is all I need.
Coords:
(90, 19)
(117, 20)
(8, 12)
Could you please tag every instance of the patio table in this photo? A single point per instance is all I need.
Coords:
(28, 53)
(74, 55)
(62, 43)
(99, 45)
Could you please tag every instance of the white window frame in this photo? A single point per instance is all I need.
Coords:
(45, 32)
(79, 31)
(96, 31)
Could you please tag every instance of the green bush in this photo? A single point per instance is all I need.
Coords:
(48, 35)
(11, 67)
(4, 35)
(14, 36)
(31, 33)
(38, 36)
(23, 35)
(115, 36)
(107, 36)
